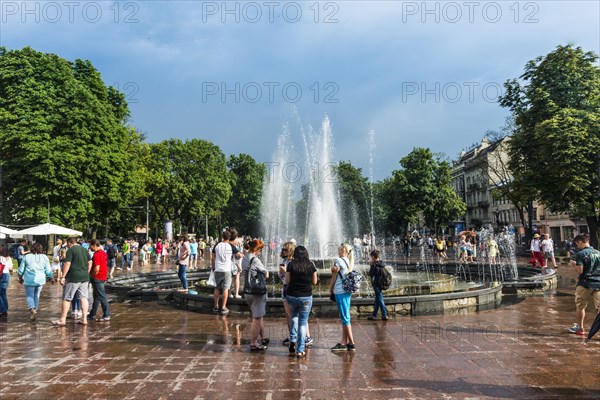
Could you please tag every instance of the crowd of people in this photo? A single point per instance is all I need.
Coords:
(79, 266)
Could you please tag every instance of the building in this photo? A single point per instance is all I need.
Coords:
(479, 170)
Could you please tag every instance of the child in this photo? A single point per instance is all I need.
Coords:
(374, 272)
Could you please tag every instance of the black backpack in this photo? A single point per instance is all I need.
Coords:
(111, 252)
(383, 278)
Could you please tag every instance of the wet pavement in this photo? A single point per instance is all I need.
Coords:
(149, 351)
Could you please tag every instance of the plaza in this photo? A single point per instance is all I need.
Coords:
(152, 351)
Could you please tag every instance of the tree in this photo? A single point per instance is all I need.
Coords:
(243, 208)
(188, 181)
(421, 187)
(354, 196)
(64, 141)
(554, 150)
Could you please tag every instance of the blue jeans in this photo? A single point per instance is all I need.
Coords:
(299, 310)
(126, 259)
(4, 280)
(99, 298)
(32, 294)
(76, 303)
(379, 303)
(182, 276)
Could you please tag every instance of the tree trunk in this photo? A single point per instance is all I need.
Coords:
(594, 226)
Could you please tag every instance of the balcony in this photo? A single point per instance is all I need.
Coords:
(483, 203)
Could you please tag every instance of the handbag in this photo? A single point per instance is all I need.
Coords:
(255, 281)
(332, 297)
(211, 279)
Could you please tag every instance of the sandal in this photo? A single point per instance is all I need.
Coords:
(254, 348)
(80, 322)
(265, 342)
(58, 323)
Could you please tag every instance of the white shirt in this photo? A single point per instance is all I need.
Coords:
(548, 245)
(7, 261)
(223, 257)
(535, 245)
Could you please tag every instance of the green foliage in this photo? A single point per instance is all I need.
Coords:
(355, 196)
(63, 139)
(422, 186)
(187, 180)
(243, 208)
(554, 150)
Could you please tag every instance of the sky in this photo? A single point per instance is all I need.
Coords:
(416, 74)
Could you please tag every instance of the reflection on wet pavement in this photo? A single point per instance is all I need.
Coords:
(148, 351)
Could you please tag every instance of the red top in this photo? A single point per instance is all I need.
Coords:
(100, 258)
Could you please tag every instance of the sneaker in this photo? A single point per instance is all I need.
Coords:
(292, 349)
(103, 319)
(339, 347)
(580, 332)
(351, 347)
(384, 318)
(309, 341)
(238, 297)
(371, 318)
(574, 328)
(32, 314)
(224, 311)
(216, 309)
(285, 342)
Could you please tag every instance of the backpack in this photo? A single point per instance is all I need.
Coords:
(111, 252)
(351, 282)
(16, 254)
(383, 278)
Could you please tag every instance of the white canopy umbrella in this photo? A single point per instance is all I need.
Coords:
(49, 229)
(7, 231)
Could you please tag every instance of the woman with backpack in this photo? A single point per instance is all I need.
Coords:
(340, 269)
(377, 275)
(257, 302)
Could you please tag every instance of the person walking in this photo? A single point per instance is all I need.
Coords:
(33, 270)
(75, 278)
(158, 248)
(536, 252)
(341, 267)
(98, 275)
(193, 254)
(374, 272)
(126, 255)
(6, 267)
(548, 249)
(300, 276)
(56, 257)
(183, 259)
(111, 253)
(251, 264)
(587, 265)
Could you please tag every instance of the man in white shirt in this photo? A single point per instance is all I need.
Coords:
(222, 264)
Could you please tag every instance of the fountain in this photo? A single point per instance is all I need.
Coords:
(430, 285)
